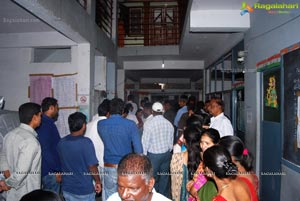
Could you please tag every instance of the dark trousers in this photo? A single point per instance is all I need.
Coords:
(161, 171)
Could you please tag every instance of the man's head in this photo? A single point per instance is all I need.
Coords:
(116, 106)
(167, 105)
(30, 114)
(147, 111)
(103, 108)
(77, 123)
(130, 97)
(216, 106)
(135, 178)
(183, 100)
(50, 107)
(157, 108)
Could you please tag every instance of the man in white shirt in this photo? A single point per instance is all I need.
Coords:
(130, 99)
(135, 180)
(219, 121)
(92, 133)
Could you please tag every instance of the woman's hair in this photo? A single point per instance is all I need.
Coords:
(194, 121)
(192, 138)
(213, 134)
(41, 195)
(237, 149)
(218, 160)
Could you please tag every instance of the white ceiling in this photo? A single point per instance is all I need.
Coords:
(203, 46)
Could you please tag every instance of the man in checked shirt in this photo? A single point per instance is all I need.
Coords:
(157, 143)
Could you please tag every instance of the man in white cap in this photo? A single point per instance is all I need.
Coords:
(157, 143)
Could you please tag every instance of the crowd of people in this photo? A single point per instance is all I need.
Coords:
(151, 151)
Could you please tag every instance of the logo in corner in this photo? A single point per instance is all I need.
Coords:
(246, 8)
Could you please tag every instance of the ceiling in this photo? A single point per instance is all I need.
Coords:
(14, 19)
(204, 46)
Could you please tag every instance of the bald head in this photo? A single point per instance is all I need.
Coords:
(137, 164)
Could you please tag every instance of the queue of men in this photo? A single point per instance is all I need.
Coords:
(96, 156)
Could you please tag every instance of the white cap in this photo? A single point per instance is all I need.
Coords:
(157, 107)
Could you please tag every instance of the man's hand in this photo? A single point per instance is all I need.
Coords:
(3, 186)
(6, 174)
(98, 187)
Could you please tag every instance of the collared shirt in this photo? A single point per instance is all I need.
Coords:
(132, 117)
(134, 105)
(158, 135)
(155, 197)
(49, 137)
(92, 133)
(179, 114)
(222, 124)
(119, 135)
(22, 153)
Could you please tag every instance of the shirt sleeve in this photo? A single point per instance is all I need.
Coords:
(177, 118)
(146, 139)
(3, 162)
(171, 142)
(89, 153)
(136, 140)
(227, 127)
(28, 150)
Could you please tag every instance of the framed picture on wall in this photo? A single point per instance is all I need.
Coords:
(136, 22)
(271, 95)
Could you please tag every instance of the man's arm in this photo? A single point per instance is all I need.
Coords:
(136, 140)
(95, 174)
(27, 152)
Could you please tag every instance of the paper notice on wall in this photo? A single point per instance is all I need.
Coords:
(65, 90)
(62, 121)
(298, 124)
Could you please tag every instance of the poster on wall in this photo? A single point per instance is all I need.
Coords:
(271, 95)
(291, 128)
(40, 87)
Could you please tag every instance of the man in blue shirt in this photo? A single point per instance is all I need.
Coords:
(120, 136)
(49, 137)
(180, 112)
(79, 162)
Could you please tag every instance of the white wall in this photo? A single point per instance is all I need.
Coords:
(100, 73)
(111, 78)
(15, 65)
(267, 36)
(121, 83)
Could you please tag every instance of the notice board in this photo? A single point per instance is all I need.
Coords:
(291, 126)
